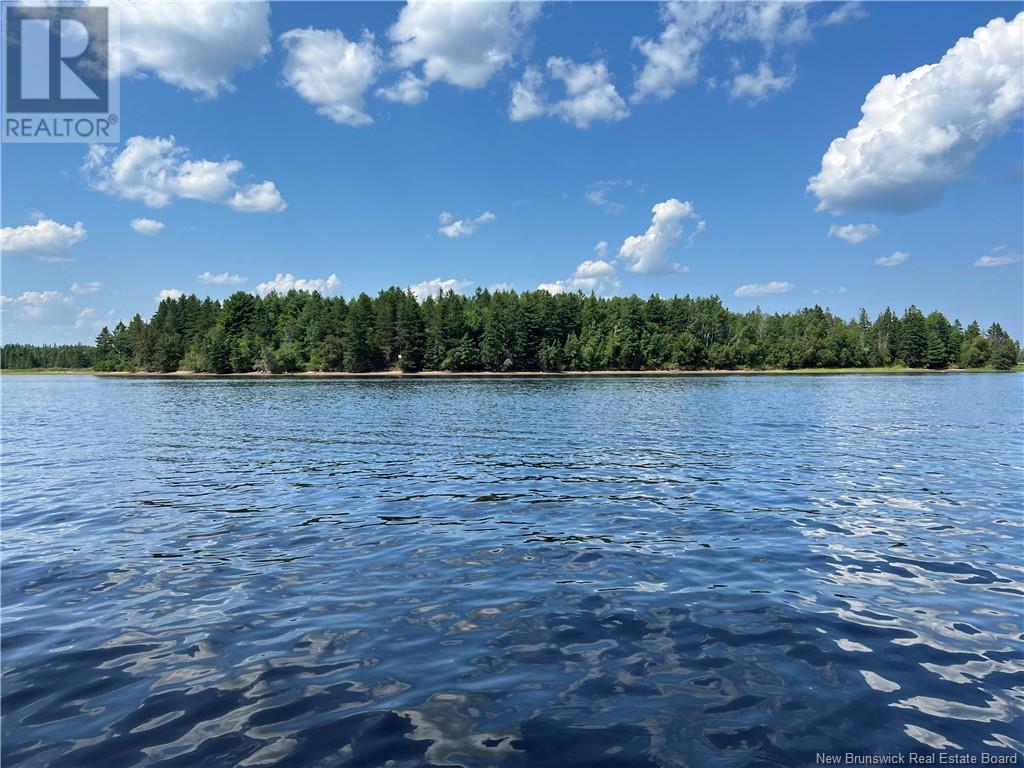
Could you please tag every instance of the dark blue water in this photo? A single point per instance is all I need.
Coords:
(545, 572)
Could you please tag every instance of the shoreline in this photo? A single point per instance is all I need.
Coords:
(396, 374)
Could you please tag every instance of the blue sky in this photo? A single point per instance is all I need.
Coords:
(718, 115)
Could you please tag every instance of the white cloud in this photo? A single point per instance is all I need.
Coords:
(504, 287)
(595, 275)
(409, 90)
(922, 130)
(897, 258)
(85, 316)
(461, 43)
(646, 253)
(849, 10)
(80, 289)
(147, 226)
(258, 198)
(169, 293)
(854, 234)
(999, 257)
(331, 72)
(760, 85)
(763, 289)
(527, 100)
(46, 239)
(37, 305)
(282, 283)
(455, 228)
(589, 94)
(601, 249)
(673, 59)
(431, 287)
(157, 170)
(223, 278)
(199, 46)
(597, 194)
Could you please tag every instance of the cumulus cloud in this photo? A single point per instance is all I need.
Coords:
(921, 131)
(284, 282)
(409, 90)
(432, 287)
(673, 59)
(80, 289)
(854, 234)
(897, 258)
(601, 249)
(589, 97)
(258, 198)
(647, 253)
(222, 278)
(759, 85)
(147, 226)
(169, 293)
(763, 289)
(999, 257)
(528, 102)
(331, 72)
(157, 170)
(460, 43)
(595, 275)
(37, 305)
(47, 239)
(455, 228)
(198, 46)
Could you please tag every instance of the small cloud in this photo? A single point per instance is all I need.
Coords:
(409, 90)
(47, 240)
(597, 194)
(601, 249)
(284, 282)
(455, 228)
(432, 287)
(157, 171)
(647, 253)
(590, 95)
(147, 226)
(169, 293)
(594, 275)
(80, 289)
(258, 198)
(758, 86)
(854, 234)
(897, 258)
(224, 278)
(763, 289)
(999, 257)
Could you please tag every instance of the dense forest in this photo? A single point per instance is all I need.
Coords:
(509, 331)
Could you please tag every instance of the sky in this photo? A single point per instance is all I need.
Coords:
(776, 155)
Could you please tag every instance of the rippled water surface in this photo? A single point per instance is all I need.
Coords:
(526, 572)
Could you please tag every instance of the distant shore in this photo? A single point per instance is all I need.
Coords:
(396, 374)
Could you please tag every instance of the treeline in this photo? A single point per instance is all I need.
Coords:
(530, 331)
(47, 356)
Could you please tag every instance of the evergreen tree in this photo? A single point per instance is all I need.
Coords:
(913, 338)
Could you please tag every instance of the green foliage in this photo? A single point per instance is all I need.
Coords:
(509, 331)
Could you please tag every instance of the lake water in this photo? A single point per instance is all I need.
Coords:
(712, 571)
